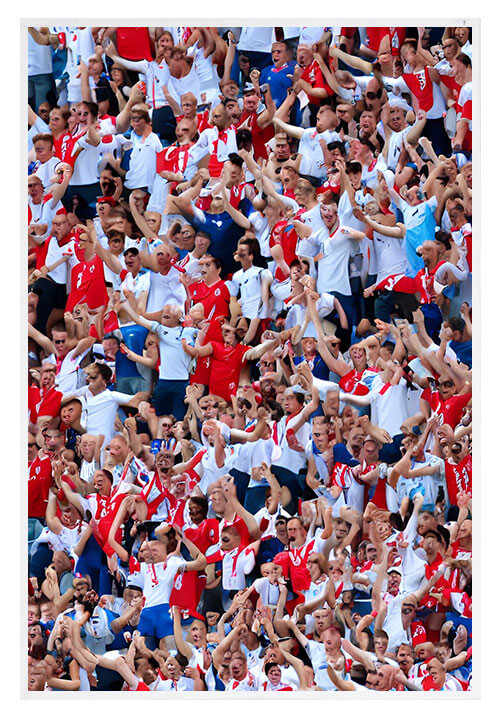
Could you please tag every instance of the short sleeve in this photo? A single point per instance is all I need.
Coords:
(121, 398)
(199, 216)
(232, 287)
(432, 203)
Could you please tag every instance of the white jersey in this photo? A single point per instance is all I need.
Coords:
(165, 289)
(395, 147)
(389, 405)
(248, 683)
(157, 579)
(174, 361)
(183, 684)
(236, 564)
(249, 284)
(65, 540)
(388, 256)
(313, 162)
(333, 267)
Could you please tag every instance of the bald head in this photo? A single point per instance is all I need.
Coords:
(219, 116)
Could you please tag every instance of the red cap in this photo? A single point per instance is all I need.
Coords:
(107, 199)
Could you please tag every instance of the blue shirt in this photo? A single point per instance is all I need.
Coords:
(278, 80)
(463, 351)
(224, 235)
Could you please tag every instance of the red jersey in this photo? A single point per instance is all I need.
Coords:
(312, 74)
(88, 285)
(205, 535)
(173, 158)
(294, 564)
(225, 139)
(421, 86)
(153, 494)
(451, 409)
(259, 135)
(214, 298)
(375, 35)
(237, 194)
(133, 43)
(104, 509)
(352, 382)
(418, 633)
(227, 362)
(186, 593)
(47, 404)
(202, 120)
(63, 146)
(283, 233)
(430, 570)
(176, 509)
(110, 324)
(39, 482)
(458, 478)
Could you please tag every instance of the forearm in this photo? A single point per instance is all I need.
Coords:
(353, 61)
(290, 130)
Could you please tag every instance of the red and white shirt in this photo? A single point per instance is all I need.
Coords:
(247, 683)
(157, 579)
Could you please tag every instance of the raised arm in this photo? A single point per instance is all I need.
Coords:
(138, 319)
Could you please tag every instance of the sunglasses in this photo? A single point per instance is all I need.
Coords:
(59, 342)
(372, 95)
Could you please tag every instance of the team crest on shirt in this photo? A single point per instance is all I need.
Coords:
(217, 292)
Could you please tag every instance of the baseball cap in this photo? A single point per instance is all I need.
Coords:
(249, 88)
(395, 569)
(132, 249)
